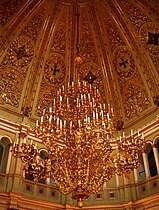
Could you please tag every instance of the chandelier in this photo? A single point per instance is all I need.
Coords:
(82, 154)
(77, 132)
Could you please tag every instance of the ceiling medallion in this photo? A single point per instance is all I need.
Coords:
(90, 77)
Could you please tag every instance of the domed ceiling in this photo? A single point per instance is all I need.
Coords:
(119, 47)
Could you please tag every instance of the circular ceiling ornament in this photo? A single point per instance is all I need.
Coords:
(20, 52)
(149, 36)
(91, 73)
(54, 71)
(124, 62)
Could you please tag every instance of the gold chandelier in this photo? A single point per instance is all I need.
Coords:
(77, 131)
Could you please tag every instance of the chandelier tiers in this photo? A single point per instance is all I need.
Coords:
(82, 154)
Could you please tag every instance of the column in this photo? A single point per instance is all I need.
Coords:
(117, 180)
(136, 175)
(127, 189)
(156, 155)
(146, 164)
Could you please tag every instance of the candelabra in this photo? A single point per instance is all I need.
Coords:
(82, 154)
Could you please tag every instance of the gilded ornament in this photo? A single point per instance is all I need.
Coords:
(11, 84)
(20, 53)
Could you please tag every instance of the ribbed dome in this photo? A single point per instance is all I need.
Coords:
(119, 46)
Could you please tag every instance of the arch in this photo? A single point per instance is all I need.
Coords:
(151, 160)
(156, 142)
(43, 154)
(1, 152)
(4, 154)
(141, 169)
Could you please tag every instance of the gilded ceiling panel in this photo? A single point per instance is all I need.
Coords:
(125, 66)
(11, 85)
(8, 9)
(118, 43)
(55, 66)
(149, 35)
(33, 27)
(14, 69)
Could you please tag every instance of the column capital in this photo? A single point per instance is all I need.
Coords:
(154, 145)
(145, 151)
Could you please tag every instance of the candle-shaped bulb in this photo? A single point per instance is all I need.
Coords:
(60, 124)
(108, 116)
(93, 114)
(102, 114)
(96, 115)
(86, 118)
(138, 133)
(50, 118)
(123, 134)
(108, 107)
(50, 109)
(71, 125)
(131, 132)
(64, 123)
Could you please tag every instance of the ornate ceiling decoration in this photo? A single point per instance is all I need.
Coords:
(119, 45)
